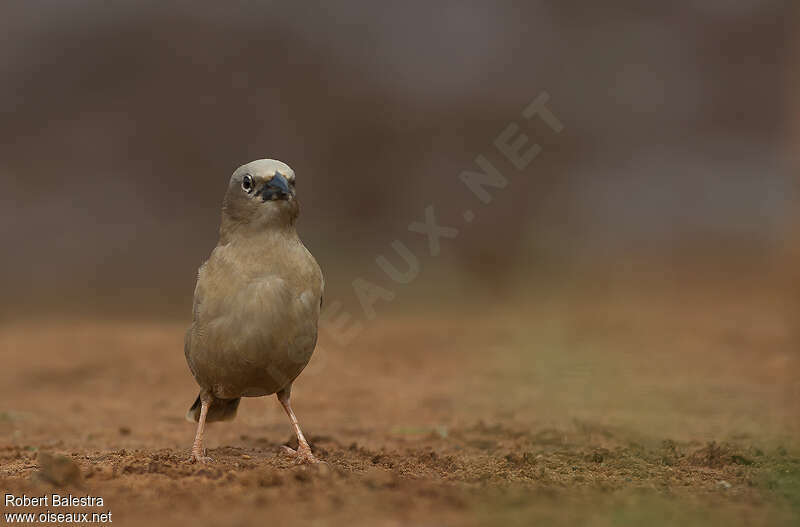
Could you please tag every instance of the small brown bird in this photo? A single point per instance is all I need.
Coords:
(256, 303)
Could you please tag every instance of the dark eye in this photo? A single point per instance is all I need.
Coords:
(247, 184)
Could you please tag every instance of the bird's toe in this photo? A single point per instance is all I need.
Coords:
(301, 455)
(194, 458)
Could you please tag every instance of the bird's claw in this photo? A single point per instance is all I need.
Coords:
(302, 455)
(199, 458)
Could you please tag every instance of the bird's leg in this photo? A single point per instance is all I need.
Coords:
(303, 453)
(197, 448)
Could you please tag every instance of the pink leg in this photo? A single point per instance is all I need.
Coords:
(303, 453)
(197, 448)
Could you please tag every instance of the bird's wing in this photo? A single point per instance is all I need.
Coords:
(196, 303)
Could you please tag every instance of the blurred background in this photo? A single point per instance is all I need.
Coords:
(621, 316)
(121, 125)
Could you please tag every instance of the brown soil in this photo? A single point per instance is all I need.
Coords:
(621, 412)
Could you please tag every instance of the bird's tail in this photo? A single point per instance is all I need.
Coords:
(220, 410)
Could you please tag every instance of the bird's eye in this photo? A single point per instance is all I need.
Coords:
(247, 184)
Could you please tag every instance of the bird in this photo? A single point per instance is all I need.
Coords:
(256, 304)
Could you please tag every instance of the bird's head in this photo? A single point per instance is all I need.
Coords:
(261, 194)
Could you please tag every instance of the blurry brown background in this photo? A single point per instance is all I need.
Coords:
(612, 341)
(121, 125)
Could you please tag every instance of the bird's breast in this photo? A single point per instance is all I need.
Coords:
(253, 333)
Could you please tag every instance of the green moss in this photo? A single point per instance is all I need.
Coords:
(783, 480)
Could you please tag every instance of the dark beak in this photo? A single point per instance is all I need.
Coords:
(276, 188)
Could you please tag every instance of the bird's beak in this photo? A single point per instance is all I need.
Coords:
(276, 188)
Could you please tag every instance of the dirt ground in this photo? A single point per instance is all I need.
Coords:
(602, 408)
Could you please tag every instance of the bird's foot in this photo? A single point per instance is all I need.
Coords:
(198, 457)
(302, 455)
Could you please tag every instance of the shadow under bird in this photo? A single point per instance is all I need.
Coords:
(256, 303)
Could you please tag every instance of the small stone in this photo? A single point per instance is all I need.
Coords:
(245, 456)
(724, 484)
(124, 431)
(58, 470)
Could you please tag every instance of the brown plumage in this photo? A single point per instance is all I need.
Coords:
(256, 303)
